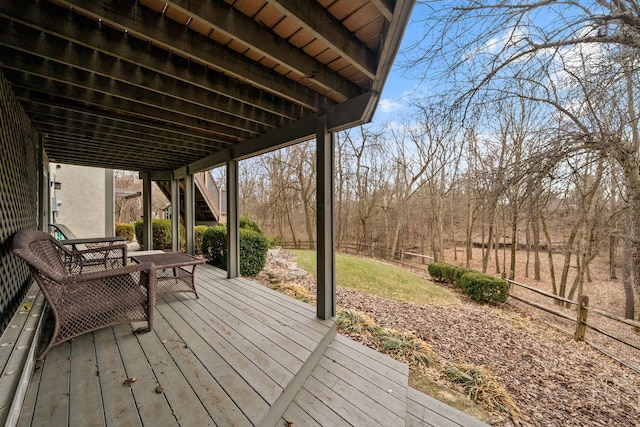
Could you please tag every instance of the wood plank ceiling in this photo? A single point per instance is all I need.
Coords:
(157, 85)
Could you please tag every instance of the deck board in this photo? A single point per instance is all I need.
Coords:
(240, 355)
(86, 403)
(201, 378)
(220, 360)
(54, 393)
(182, 399)
(424, 410)
(153, 409)
(262, 330)
(256, 368)
(119, 407)
(347, 387)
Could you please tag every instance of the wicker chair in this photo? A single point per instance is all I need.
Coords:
(85, 301)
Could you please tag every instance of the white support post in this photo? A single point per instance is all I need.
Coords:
(190, 212)
(325, 164)
(147, 224)
(175, 215)
(233, 234)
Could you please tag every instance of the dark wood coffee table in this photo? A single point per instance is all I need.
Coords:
(175, 271)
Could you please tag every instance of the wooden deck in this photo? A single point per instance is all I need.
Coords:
(240, 355)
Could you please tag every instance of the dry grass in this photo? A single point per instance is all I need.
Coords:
(481, 387)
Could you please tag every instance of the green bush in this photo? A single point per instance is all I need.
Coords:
(249, 224)
(253, 252)
(459, 272)
(484, 288)
(435, 271)
(253, 249)
(448, 272)
(214, 246)
(198, 232)
(124, 230)
(162, 231)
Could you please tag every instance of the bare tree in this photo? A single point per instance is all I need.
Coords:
(582, 57)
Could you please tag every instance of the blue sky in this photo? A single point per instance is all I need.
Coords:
(399, 86)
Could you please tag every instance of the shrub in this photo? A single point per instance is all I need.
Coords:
(162, 231)
(253, 252)
(448, 272)
(459, 272)
(198, 232)
(214, 246)
(483, 288)
(124, 230)
(249, 224)
(435, 271)
(253, 249)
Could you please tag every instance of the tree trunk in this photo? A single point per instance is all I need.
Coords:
(469, 233)
(496, 246)
(613, 244)
(568, 253)
(527, 237)
(627, 281)
(552, 270)
(537, 219)
(514, 243)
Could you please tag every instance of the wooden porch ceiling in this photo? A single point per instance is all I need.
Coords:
(182, 86)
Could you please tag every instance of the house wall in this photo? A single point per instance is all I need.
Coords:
(86, 199)
(19, 178)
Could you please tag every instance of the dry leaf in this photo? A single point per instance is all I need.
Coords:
(130, 381)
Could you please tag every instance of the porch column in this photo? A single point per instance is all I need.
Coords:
(44, 200)
(175, 215)
(326, 291)
(147, 224)
(190, 212)
(233, 234)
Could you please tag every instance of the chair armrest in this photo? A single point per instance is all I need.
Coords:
(99, 249)
(102, 274)
(93, 240)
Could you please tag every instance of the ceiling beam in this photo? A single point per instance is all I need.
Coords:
(117, 90)
(233, 24)
(56, 50)
(65, 150)
(324, 26)
(385, 7)
(112, 127)
(339, 117)
(100, 101)
(46, 106)
(52, 19)
(98, 133)
(146, 24)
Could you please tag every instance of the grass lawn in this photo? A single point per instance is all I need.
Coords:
(378, 278)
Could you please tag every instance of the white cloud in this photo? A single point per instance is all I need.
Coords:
(387, 105)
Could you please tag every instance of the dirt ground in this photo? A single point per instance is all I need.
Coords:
(555, 380)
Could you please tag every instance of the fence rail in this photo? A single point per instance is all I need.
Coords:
(615, 336)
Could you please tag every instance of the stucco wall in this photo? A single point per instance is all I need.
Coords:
(86, 199)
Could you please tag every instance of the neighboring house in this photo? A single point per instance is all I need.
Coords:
(84, 201)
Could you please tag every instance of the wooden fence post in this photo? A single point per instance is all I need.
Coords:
(581, 321)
